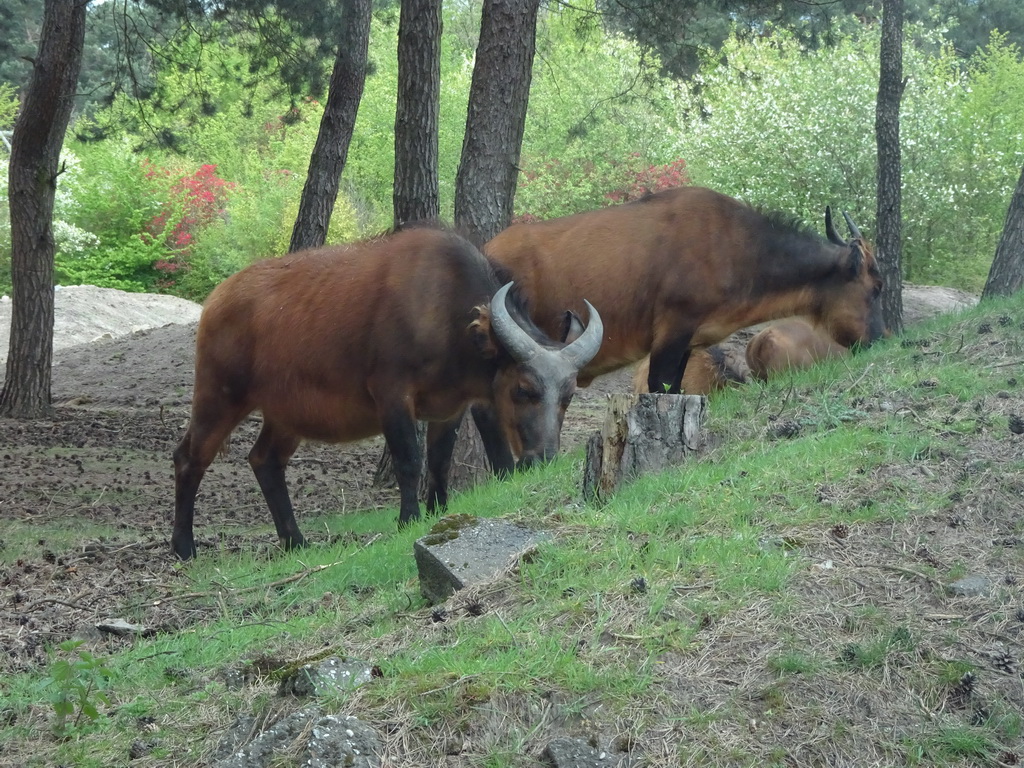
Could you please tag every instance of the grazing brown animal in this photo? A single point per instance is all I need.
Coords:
(342, 343)
(791, 343)
(682, 269)
(708, 370)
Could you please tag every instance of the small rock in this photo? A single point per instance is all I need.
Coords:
(576, 753)
(121, 627)
(329, 675)
(971, 586)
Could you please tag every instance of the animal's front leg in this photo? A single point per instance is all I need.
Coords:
(399, 429)
(495, 445)
(441, 436)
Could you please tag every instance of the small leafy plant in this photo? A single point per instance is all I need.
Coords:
(76, 686)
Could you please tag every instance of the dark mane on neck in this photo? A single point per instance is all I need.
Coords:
(789, 251)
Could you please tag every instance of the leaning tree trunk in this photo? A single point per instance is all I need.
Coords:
(887, 135)
(331, 149)
(416, 114)
(32, 183)
(1007, 273)
(485, 184)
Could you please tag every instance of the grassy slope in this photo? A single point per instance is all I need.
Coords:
(781, 601)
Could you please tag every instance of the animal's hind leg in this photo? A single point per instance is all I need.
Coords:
(209, 427)
(268, 459)
(668, 361)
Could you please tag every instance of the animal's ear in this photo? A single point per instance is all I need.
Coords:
(571, 327)
(480, 332)
(854, 261)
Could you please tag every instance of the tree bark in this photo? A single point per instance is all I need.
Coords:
(887, 135)
(415, 193)
(642, 434)
(332, 142)
(32, 183)
(1006, 275)
(485, 184)
(486, 181)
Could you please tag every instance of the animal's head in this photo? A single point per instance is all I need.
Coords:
(536, 376)
(852, 309)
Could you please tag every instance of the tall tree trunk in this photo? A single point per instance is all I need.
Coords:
(32, 183)
(486, 182)
(887, 134)
(485, 185)
(331, 149)
(1007, 273)
(416, 114)
(415, 193)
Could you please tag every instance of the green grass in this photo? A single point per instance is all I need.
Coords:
(737, 635)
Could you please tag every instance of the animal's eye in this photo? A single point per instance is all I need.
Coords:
(525, 394)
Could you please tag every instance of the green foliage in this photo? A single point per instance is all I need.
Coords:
(793, 129)
(8, 106)
(597, 118)
(76, 686)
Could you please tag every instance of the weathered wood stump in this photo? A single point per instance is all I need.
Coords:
(642, 434)
(470, 466)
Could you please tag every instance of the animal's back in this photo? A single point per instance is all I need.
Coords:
(305, 337)
(667, 252)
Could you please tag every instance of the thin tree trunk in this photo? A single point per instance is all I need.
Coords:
(486, 182)
(32, 183)
(887, 134)
(332, 142)
(485, 185)
(416, 115)
(1007, 273)
(415, 193)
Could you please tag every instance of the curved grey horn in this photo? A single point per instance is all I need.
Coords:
(517, 341)
(582, 351)
(830, 228)
(854, 231)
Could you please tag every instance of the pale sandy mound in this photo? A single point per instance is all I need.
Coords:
(85, 313)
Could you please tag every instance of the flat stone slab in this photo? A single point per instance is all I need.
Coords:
(463, 550)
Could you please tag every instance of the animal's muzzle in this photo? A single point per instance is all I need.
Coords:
(528, 460)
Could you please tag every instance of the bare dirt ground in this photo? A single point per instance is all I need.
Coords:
(105, 458)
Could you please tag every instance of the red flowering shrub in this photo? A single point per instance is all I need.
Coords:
(193, 201)
(652, 179)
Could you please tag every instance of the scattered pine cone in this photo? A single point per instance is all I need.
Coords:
(840, 531)
(784, 429)
(1016, 424)
(1004, 662)
(961, 693)
(1009, 758)
(438, 615)
(985, 328)
(639, 585)
(1005, 320)
(957, 521)
(475, 608)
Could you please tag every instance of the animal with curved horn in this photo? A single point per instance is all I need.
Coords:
(342, 343)
(681, 270)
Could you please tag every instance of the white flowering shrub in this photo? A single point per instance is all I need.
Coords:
(793, 129)
(71, 241)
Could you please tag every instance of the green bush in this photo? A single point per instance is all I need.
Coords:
(775, 124)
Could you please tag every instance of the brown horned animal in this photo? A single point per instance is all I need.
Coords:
(342, 343)
(682, 269)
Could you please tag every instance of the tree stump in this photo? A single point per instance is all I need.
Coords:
(642, 433)
(470, 466)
